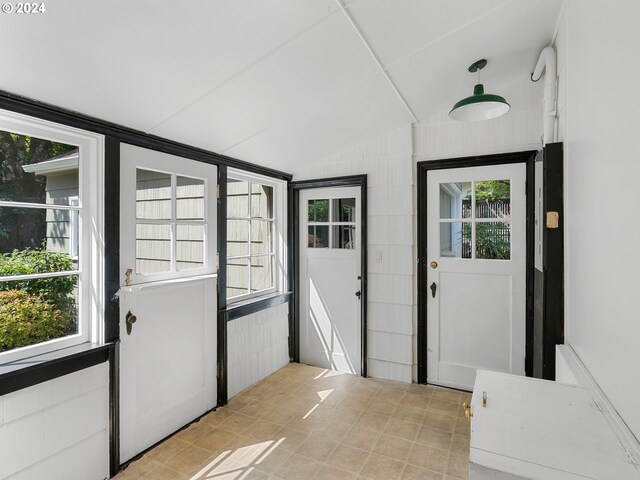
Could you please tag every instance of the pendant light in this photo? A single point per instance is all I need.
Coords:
(480, 105)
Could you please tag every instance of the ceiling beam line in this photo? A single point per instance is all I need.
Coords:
(377, 60)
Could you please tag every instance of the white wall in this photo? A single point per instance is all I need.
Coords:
(390, 163)
(601, 45)
(57, 429)
(258, 345)
(387, 162)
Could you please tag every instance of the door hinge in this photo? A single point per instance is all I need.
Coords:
(218, 191)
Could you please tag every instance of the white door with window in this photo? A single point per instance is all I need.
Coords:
(330, 321)
(476, 281)
(167, 297)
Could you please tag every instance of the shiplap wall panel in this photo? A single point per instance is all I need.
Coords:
(258, 345)
(387, 161)
(390, 163)
(57, 429)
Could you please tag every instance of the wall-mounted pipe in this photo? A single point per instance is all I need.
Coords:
(547, 63)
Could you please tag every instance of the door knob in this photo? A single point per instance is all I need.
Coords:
(358, 294)
(433, 289)
(130, 319)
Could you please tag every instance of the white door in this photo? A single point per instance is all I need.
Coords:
(330, 322)
(476, 281)
(168, 286)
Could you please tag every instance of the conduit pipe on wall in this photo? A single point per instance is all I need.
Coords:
(547, 63)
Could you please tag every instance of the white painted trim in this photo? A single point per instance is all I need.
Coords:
(280, 240)
(91, 213)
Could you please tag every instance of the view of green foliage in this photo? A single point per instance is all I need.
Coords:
(56, 291)
(17, 185)
(493, 190)
(26, 319)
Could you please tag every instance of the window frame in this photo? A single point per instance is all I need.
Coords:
(160, 162)
(279, 221)
(90, 219)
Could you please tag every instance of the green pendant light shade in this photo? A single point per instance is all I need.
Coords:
(480, 105)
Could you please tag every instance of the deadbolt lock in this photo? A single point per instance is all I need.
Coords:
(434, 264)
(130, 319)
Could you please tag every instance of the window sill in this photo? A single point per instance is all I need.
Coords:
(253, 305)
(47, 366)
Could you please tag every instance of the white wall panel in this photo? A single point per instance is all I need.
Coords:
(258, 345)
(57, 429)
(600, 126)
(389, 370)
(389, 162)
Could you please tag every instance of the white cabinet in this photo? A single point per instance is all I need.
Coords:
(538, 429)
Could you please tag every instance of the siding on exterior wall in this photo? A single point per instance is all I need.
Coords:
(57, 429)
(258, 345)
(390, 163)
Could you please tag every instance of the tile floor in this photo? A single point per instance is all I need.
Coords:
(306, 423)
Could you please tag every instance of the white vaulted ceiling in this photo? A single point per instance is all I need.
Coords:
(279, 83)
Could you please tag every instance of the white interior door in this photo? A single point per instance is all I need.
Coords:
(330, 322)
(168, 286)
(476, 281)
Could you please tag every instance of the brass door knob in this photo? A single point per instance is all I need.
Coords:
(467, 410)
(433, 264)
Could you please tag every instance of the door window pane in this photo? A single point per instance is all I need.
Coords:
(318, 236)
(493, 199)
(153, 195)
(344, 209)
(237, 277)
(189, 246)
(237, 199)
(153, 248)
(455, 239)
(189, 198)
(455, 200)
(318, 210)
(261, 273)
(493, 240)
(344, 236)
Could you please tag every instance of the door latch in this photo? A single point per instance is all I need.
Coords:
(433, 289)
(130, 319)
(127, 277)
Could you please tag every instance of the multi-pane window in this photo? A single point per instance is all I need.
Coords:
(48, 231)
(332, 223)
(475, 220)
(171, 222)
(251, 246)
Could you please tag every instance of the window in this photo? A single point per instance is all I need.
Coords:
(50, 234)
(255, 211)
(475, 220)
(337, 214)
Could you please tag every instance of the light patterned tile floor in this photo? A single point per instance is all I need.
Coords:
(306, 423)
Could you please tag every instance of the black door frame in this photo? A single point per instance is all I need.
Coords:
(526, 157)
(294, 257)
